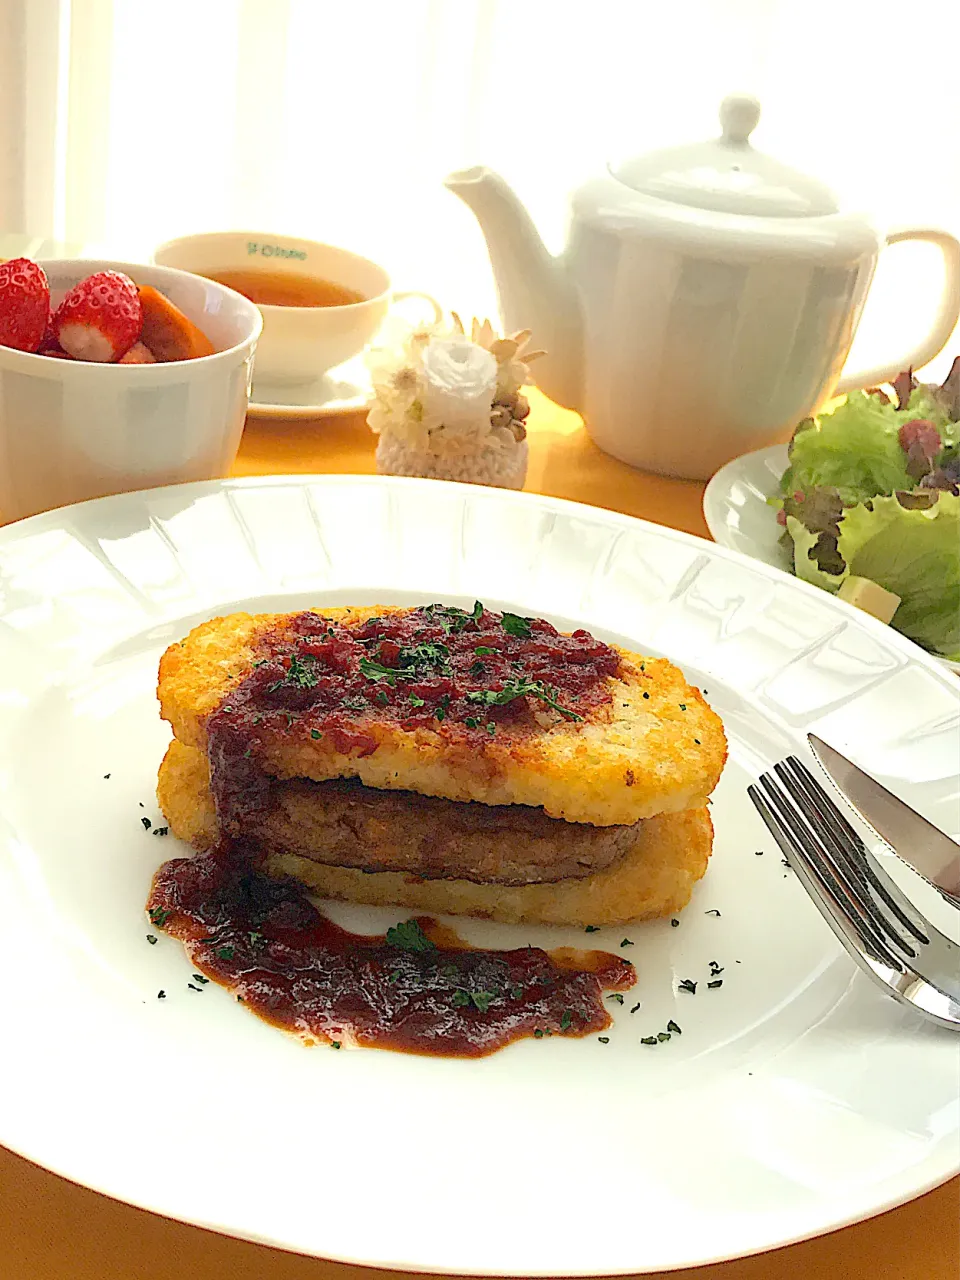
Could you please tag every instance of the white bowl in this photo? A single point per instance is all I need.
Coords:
(71, 430)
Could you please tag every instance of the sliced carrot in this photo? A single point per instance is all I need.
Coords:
(166, 330)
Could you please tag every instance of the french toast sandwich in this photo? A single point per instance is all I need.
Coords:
(444, 759)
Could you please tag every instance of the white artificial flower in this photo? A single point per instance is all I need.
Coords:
(458, 381)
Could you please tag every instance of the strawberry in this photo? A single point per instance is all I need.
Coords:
(100, 318)
(24, 304)
(138, 354)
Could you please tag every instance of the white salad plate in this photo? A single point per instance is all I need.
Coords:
(738, 515)
(796, 1098)
(736, 510)
(345, 389)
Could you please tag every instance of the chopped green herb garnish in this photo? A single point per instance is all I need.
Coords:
(198, 977)
(663, 1035)
(193, 988)
(334, 1044)
(513, 689)
(491, 728)
(604, 1039)
(672, 1026)
(453, 619)
(648, 1040)
(712, 985)
(616, 996)
(591, 928)
(160, 831)
(514, 625)
(297, 674)
(393, 977)
(408, 936)
(479, 999)
(225, 953)
(712, 912)
(626, 943)
(159, 916)
(161, 995)
(471, 722)
(417, 702)
(683, 706)
(538, 1033)
(687, 984)
(382, 698)
(256, 939)
(566, 1018)
(152, 939)
(482, 650)
(377, 671)
(635, 1007)
(646, 695)
(516, 993)
(147, 824)
(315, 734)
(674, 923)
(105, 776)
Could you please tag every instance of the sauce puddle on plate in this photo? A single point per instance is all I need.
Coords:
(418, 988)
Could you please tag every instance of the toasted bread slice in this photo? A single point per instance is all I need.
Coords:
(654, 877)
(654, 746)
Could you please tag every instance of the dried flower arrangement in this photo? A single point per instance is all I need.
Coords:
(449, 406)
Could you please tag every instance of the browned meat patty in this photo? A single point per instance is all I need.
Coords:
(346, 824)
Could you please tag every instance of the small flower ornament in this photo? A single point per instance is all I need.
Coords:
(448, 406)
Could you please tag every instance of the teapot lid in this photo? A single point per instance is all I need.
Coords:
(727, 174)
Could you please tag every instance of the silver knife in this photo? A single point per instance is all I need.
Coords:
(914, 840)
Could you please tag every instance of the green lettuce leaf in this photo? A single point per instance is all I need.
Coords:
(916, 555)
(856, 450)
(912, 550)
(808, 549)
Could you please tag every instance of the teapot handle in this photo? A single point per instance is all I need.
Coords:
(943, 326)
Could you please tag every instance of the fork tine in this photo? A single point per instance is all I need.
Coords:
(819, 889)
(808, 850)
(853, 845)
(931, 987)
(840, 854)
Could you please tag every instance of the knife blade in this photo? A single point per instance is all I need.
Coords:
(917, 842)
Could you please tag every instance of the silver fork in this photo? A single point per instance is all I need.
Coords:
(881, 929)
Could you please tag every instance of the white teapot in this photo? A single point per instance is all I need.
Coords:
(706, 300)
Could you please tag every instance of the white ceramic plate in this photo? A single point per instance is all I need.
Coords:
(345, 389)
(796, 1099)
(737, 515)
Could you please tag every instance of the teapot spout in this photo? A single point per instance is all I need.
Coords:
(534, 290)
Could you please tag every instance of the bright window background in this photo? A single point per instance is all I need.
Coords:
(337, 119)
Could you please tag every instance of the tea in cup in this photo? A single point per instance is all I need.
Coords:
(321, 304)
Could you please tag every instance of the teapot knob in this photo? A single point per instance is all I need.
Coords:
(739, 114)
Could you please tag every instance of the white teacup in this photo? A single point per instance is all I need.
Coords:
(298, 344)
(71, 430)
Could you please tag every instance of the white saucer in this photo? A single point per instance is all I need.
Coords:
(345, 389)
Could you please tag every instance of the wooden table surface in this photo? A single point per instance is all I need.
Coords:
(53, 1230)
